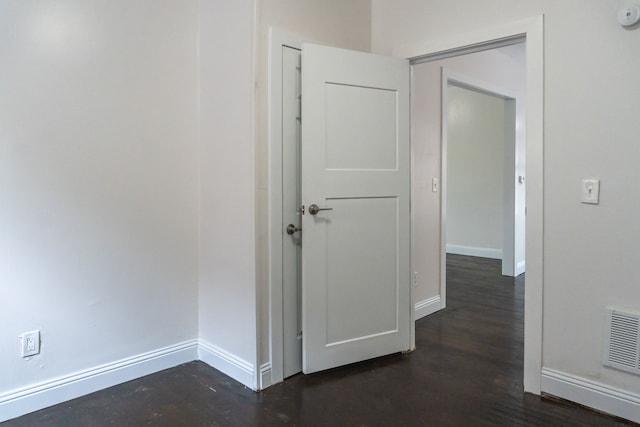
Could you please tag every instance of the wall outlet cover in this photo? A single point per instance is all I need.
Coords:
(30, 343)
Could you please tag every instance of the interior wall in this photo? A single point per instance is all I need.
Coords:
(590, 113)
(499, 68)
(98, 182)
(329, 22)
(475, 172)
(227, 292)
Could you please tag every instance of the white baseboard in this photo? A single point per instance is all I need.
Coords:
(265, 376)
(620, 403)
(428, 306)
(227, 363)
(520, 268)
(473, 251)
(19, 402)
(42, 395)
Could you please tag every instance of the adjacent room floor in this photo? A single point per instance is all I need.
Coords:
(466, 371)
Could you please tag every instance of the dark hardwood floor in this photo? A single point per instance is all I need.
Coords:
(466, 371)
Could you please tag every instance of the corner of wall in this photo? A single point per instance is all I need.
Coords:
(227, 363)
(16, 403)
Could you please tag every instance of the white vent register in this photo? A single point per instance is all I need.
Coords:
(622, 341)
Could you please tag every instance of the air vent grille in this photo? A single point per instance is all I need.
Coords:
(622, 345)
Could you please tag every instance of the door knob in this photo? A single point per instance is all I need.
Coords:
(314, 209)
(292, 229)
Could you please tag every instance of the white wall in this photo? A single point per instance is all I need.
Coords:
(227, 292)
(330, 22)
(99, 170)
(501, 69)
(475, 169)
(128, 165)
(98, 179)
(591, 110)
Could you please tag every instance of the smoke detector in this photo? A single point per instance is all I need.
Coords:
(629, 15)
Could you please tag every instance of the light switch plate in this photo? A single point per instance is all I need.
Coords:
(591, 191)
(435, 185)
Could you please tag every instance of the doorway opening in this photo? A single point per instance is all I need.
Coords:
(480, 176)
(487, 165)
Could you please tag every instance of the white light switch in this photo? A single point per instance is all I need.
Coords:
(435, 185)
(591, 190)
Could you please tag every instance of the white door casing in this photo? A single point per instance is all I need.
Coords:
(291, 243)
(355, 161)
(532, 29)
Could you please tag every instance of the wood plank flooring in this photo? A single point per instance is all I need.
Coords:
(467, 371)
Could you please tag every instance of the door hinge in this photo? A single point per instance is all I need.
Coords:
(301, 210)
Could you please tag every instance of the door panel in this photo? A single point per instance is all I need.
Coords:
(359, 283)
(355, 161)
(361, 138)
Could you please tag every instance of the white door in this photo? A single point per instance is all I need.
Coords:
(356, 286)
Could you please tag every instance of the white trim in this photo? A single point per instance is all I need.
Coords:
(428, 306)
(472, 83)
(520, 268)
(448, 42)
(255, 42)
(615, 401)
(474, 251)
(265, 376)
(533, 31)
(444, 150)
(534, 241)
(277, 39)
(276, 322)
(227, 363)
(22, 401)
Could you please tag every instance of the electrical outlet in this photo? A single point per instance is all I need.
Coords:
(30, 343)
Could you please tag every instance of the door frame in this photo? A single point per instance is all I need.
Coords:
(510, 154)
(272, 373)
(533, 30)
